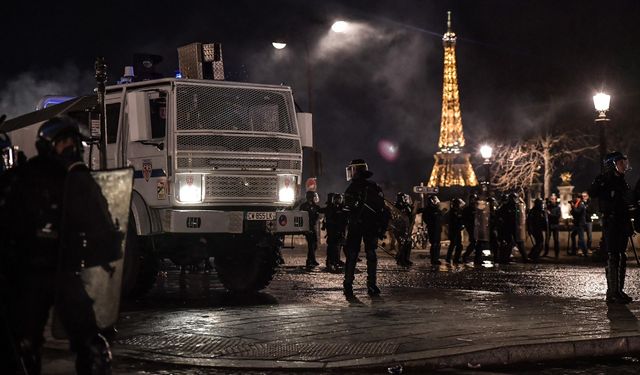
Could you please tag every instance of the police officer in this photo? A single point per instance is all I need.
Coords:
(47, 239)
(432, 217)
(468, 219)
(579, 214)
(554, 213)
(456, 226)
(614, 199)
(311, 206)
(537, 223)
(368, 219)
(404, 204)
(335, 224)
(509, 228)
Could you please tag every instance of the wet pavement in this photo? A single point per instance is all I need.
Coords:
(463, 316)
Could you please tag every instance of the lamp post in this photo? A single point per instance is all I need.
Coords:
(486, 152)
(339, 27)
(601, 103)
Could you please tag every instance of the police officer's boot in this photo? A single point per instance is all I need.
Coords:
(349, 275)
(623, 274)
(94, 358)
(613, 279)
(407, 254)
(372, 288)
(434, 251)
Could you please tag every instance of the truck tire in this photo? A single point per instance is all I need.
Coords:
(140, 265)
(247, 271)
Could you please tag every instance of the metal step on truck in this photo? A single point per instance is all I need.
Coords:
(218, 168)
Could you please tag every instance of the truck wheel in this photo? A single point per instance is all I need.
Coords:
(243, 271)
(140, 265)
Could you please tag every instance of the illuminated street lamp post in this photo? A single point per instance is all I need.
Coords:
(486, 152)
(601, 103)
(339, 27)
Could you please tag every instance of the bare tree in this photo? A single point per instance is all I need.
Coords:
(519, 164)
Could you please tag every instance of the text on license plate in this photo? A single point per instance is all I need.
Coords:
(261, 215)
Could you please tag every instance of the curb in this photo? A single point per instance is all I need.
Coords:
(490, 356)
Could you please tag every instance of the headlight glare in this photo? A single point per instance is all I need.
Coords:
(287, 188)
(189, 188)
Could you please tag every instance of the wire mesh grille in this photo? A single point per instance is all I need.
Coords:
(231, 143)
(232, 108)
(213, 162)
(239, 187)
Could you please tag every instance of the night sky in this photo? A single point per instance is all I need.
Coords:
(524, 67)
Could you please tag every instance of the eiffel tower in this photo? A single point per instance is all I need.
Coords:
(452, 166)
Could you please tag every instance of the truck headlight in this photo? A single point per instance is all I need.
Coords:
(189, 187)
(287, 188)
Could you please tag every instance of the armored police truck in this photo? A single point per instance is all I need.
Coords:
(218, 167)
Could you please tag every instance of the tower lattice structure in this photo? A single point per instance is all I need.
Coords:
(452, 166)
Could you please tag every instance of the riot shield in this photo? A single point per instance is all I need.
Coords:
(103, 284)
(99, 220)
(481, 220)
(521, 222)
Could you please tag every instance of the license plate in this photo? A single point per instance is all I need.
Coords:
(261, 215)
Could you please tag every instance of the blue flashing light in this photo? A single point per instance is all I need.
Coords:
(51, 100)
(178, 74)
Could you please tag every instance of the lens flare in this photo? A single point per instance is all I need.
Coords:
(388, 150)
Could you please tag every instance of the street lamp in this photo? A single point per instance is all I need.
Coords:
(340, 26)
(278, 45)
(486, 152)
(601, 103)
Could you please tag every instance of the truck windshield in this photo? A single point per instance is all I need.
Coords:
(233, 109)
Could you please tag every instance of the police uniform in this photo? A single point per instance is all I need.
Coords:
(335, 225)
(432, 216)
(614, 198)
(537, 223)
(312, 236)
(469, 221)
(456, 226)
(46, 240)
(403, 258)
(364, 201)
(553, 214)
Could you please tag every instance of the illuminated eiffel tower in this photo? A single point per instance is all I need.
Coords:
(452, 166)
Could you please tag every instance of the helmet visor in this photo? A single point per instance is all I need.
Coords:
(353, 169)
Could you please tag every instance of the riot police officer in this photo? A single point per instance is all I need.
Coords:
(510, 228)
(456, 226)
(614, 199)
(554, 214)
(469, 220)
(335, 224)
(403, 235)
(432, 217)
(537, 224)
(311, 206)
(368, 219)
(47, 237)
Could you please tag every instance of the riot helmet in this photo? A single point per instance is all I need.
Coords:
(473, 197)
(457, 203)
(7, 152)
(433, 201)
(312, 196)
(616, 161)
(60, 128)
(359, 168)
(337, 199)
(538, 203)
